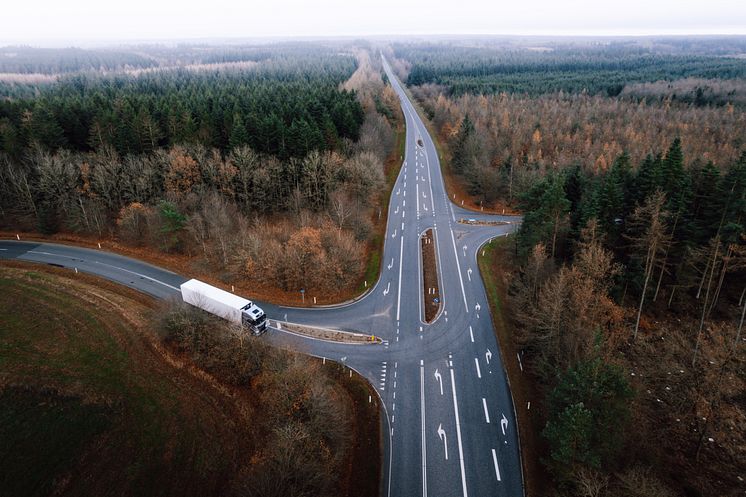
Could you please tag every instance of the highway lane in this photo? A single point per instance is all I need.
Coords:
(449, 421)
(458, 346)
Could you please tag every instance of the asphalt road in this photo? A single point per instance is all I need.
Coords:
(449, 424)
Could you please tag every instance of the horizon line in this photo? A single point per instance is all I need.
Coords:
(92, 41)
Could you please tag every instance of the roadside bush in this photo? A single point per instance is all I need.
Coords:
(304, 416)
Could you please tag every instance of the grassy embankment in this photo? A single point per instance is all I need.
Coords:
(90, 404)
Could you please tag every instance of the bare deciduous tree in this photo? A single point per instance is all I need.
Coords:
(649, 237)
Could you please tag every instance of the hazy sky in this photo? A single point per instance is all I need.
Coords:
(84, 21)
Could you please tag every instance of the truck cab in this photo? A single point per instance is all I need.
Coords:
(253, 316)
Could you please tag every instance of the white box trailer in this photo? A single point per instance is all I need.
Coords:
(224, 304)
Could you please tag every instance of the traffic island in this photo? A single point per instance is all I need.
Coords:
(479, 222)
(431, 289)
(328, 334)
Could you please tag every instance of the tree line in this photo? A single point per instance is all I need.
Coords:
(285, 108)
(603, 68)
(502, 143)
(216, 205)
(25, 60)
(681, 209)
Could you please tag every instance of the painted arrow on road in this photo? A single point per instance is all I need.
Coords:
(488, 356)
(468, 273)
(443, 437)
(477, 307)
(440, 380)
(504, 423)
(386, 291)
(391, 264)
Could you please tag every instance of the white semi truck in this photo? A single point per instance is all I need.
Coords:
(224, 304)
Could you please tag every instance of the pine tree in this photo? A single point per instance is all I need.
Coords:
(464, 151)
(705, 211)
(648, 178)
(614, 199)
(44, 128)
(575, 185)
(238, 136)
(546, 209)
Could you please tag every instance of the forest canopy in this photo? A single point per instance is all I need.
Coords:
(602, 67)
(286, 106)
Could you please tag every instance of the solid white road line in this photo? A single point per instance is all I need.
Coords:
(424, 442)
(486, 414)
(458, 435)
(398, 296)
(494, 460)
(136, 274)
(479, 373)
(458, 268)
(430, 183)
(421, 294)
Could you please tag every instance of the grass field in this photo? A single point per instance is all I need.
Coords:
(91, 405)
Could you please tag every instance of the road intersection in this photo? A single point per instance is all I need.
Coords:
(449, 422)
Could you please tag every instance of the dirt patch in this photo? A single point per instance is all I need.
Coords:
(330, 335)
(495, 262)
(430, 287)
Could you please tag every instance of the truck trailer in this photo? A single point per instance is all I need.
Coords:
(224, 304)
